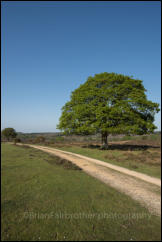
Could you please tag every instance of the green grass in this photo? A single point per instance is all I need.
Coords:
(37, 188)
(135, 160)
(151, 137)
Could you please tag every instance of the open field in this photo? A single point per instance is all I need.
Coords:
(47, 198)
(87, 139)
(142, 188)
(137, 154)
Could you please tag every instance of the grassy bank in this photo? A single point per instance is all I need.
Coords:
(48, 199)
(147, 161)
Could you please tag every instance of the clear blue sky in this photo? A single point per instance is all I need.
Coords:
(50, 48)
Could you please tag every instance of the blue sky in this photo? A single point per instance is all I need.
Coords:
(50, 48)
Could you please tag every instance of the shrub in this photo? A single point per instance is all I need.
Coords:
(17, 140)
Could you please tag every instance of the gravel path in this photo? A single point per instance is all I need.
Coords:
(140, 187)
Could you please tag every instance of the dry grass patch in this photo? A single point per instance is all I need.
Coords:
(145, 156)
(63, 162)
(151, 157)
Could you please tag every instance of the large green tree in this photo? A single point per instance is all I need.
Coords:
(9, 133)
(109, 103)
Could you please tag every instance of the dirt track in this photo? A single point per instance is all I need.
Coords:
(142, 188)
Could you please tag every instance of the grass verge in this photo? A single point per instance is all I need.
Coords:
(45, 200)
(145, 161)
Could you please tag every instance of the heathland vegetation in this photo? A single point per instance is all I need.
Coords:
(45, 198)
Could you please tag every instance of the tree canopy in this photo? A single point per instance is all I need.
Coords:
(9, 133)
(109, 103)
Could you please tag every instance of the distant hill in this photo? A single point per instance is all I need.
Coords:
(47, 135)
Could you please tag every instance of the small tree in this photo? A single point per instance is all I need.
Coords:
(9, 133)
(109, 103)
(17, 140)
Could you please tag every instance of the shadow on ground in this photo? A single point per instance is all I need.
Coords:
(123, 147)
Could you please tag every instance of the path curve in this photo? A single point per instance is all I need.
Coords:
(142, 188)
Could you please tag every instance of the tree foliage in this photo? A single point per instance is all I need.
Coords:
(109, 103)
(9, 133)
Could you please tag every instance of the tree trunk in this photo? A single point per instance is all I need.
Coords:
(104, 141)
